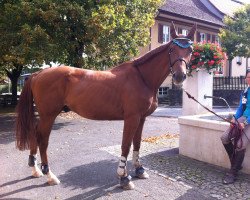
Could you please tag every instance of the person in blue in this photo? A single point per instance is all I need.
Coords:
(236, 149)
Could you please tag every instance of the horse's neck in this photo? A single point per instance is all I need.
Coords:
(154, 71)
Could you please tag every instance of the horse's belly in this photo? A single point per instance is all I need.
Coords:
(99, 113)
(97, 108)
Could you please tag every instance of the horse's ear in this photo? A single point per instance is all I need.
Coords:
(192, 31)
(173, 31)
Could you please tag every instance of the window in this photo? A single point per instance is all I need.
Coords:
(184, 32)
(203, 37)
(166, 34)
(239, 60)
(163, 33)
(162, 91)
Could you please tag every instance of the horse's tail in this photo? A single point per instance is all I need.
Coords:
(25, 119)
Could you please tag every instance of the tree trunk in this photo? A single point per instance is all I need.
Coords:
(78, 56)
(13, 76)
(230, 68)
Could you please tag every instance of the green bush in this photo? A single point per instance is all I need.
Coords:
(4, 89)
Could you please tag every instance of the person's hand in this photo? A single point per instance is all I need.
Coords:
(233, 122)
(242, 126)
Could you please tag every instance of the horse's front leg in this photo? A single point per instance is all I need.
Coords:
(130, 126)
(43, 131)
(139, 170)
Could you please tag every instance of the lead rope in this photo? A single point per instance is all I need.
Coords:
(191, 97)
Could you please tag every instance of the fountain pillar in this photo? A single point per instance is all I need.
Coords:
(198, 85)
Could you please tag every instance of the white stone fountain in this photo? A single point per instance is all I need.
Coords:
(199, 134)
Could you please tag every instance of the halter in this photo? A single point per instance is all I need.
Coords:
(178, 42)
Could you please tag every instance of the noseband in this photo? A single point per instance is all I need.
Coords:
(178, 42)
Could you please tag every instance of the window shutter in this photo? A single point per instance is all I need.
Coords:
(198, 37)
(160, 33)
(213, 38)
(179, 31)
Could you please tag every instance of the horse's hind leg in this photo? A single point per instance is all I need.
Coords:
(43, 132)
(139, 170)
(36, 172)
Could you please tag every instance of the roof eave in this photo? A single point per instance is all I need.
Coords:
(189, 18)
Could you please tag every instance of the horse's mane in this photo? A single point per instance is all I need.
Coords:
(141, 60)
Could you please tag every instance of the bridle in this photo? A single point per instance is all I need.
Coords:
(177, 42)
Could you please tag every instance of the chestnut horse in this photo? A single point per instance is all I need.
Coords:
(126, 92)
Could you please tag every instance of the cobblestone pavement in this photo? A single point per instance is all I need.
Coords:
(84, 155)
(163, 158)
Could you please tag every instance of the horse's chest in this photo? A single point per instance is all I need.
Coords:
(152, 107)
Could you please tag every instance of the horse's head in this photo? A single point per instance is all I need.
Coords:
(180, 54)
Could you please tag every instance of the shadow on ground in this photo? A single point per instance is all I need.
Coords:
(7, 127)
(7, 122)
(97, 175)
(30, 187)
(200, 176)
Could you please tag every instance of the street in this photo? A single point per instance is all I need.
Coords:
(84, 156)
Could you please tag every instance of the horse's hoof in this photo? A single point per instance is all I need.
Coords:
(129, 186)
(126, 183)
(37, 174)
(141, 173)
(52, 179)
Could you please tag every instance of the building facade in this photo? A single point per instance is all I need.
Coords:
(208, 14)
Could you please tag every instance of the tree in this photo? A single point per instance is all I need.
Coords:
(89, 34)
(235, 36)
(93, 34)
(22, 42)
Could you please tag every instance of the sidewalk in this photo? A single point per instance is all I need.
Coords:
(166, 111)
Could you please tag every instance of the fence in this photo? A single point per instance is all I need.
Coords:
(229, 83)
(228, 88)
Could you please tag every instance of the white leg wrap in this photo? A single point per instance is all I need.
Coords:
(139, 170)
(36, 172)
(52, 179)
(135, 160)
(121, 170)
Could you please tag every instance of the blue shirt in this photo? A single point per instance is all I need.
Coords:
(240, 112)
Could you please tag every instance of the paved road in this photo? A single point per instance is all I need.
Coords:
(84, 154)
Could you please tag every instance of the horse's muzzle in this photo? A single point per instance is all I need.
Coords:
(178, 78)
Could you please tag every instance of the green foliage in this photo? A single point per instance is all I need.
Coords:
(4, 88)
(119, 28)
(90, 33)
(207, 56)
(235, 36)
(80, 33)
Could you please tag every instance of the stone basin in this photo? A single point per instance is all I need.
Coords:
(200, 140)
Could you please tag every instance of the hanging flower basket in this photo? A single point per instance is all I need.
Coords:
(206, 56)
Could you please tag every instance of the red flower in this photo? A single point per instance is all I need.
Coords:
(200, 63)
(196, 54)
(210, 62)
(193, 66)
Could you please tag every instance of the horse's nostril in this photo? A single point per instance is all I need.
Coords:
(184, 76)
